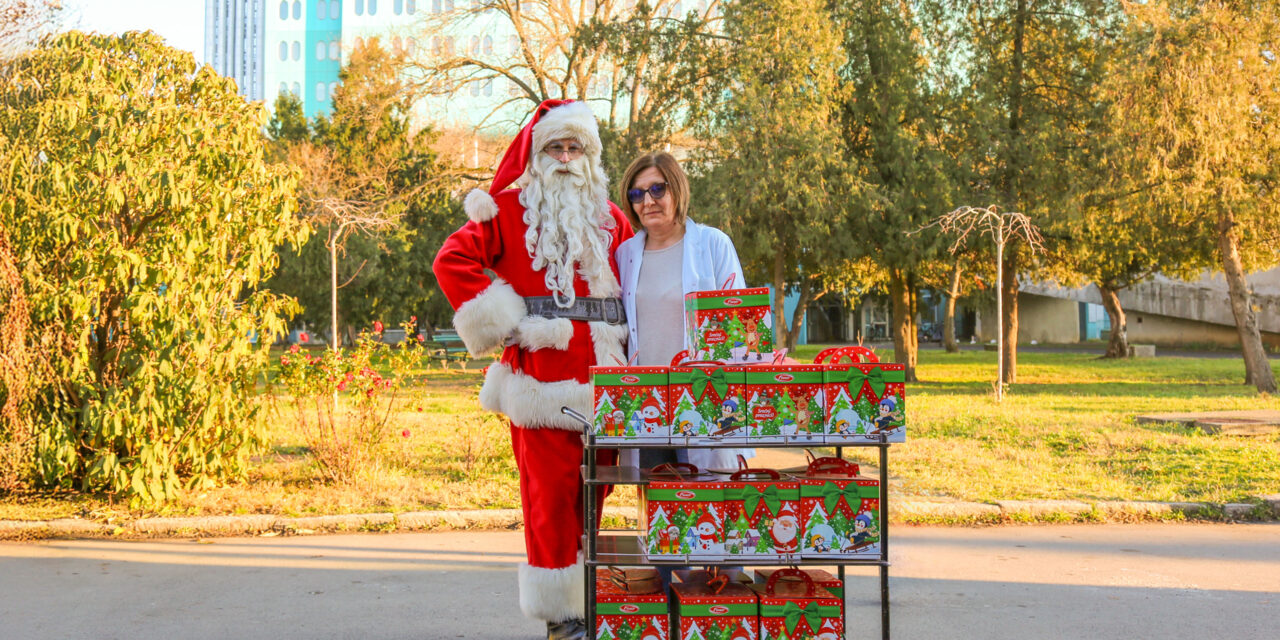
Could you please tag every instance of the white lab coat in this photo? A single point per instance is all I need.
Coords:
(709, 261)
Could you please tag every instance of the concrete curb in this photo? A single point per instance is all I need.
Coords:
(903, 509)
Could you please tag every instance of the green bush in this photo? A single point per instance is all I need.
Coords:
(143, 215)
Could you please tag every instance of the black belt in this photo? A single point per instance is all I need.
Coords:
(607, 310)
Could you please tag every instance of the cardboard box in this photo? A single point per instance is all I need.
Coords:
(630, 404)
(820, 577)
(762, 515)
(683, 515)
(707, 403)
(791, 612)
(864, 401)
(840, 511)
(718, 609)
(729, 325)
(623, 614)
(785, 403)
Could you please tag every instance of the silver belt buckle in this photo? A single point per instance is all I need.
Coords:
(611, 311)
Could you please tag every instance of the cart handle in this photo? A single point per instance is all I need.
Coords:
(572, 413)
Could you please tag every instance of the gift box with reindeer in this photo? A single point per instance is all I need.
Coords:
(707, 404)
(682, 507)
(840, 511)
(785, 403)
(729, 325)
(793, 607)
(630, 404)
(761, 514)
(865, 398)
(710, 606)
(630, 603)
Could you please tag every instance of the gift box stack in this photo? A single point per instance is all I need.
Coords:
(630, 404)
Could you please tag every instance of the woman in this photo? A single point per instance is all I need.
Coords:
(669, 256)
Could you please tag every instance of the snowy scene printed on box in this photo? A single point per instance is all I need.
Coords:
(805, 613)
(865, 401)
(784, 403)
(630, 404)
(762, 516)
(717, 610)
(684, 518)
(840, 511)
(729, 325)
(621, 615)
(707, 403)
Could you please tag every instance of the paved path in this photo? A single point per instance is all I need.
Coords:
(1098, 582)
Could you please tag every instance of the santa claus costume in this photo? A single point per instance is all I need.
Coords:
(553, 302)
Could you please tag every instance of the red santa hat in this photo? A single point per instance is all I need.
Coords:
(651, 632)
(828, 627)
(552, 120)
(787, 510)
(706, 518)
(740, 634)
(651, 403)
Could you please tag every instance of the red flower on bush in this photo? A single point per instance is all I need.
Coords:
(342, 385)
(284, 361)
(413, 320)
(377, 326)
(404, 434)
(303, 337)
(421, 338)
(294, 349)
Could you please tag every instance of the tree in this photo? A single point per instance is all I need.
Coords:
(773, 127)
(22, 22)
(1197, 101)
(140, 206)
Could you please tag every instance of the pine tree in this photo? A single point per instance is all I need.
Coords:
(737, 333)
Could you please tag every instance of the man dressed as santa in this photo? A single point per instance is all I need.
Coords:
(552, 301)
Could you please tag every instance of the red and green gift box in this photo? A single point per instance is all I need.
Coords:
(762, 514)
(864, 399)
(683, 513)
(623, 613)
(820, 577)
(840, 510)
(729, 325)
(791, 610)
(714, 609)
(707, 403)
(630, 404)
(784, 403)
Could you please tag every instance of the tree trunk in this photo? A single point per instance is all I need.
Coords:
(781, 339)
(949, 320)
(903, 323)
(802, 306)
(1118, 347)
(1256, 366)
(1009, 323)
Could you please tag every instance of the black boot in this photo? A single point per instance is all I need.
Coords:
(575, 629)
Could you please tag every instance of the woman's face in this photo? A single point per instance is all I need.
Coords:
(656, 215)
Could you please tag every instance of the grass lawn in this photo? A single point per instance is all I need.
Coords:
(1064, 431)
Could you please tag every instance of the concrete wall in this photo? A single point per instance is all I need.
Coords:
(1040, 318)
(1174, 332)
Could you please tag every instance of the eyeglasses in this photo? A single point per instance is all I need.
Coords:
(657, 190)
(557, 150)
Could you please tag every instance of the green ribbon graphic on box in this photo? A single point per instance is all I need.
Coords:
(709, 494)
(877, 378)
(832, 494)
(752, 495)
(738, 609)
(791, 613)
(645, 379)
(717, 378)
(641, 608)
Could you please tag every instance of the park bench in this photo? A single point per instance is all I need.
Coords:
(448, 347)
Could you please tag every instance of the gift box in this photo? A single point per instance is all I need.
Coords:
(785, 403)
(762, 514)
(630, 404)
(707, 403)
(864, 400)
(627, 607)
(820, 577)
(683, 516)
(795, 609)
(840, 510)
(703, 575)
(729, 325)
(714, 608)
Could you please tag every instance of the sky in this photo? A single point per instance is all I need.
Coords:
(179, 22)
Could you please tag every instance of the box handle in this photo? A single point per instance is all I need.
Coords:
(672, 470)
(829, 465)
(855, 355)
(791, 574)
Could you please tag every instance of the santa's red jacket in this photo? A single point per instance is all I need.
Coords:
(548, 365)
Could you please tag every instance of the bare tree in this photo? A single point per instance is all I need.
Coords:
(24, 21)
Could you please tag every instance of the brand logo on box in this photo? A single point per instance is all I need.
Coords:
(733, 302)
(684, 495)
(719, 609)
(716, 336)
(630, 379)
(784, 377)
(628, 608)
(764, 413)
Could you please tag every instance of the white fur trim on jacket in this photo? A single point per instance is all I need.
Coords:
(480, 206)
(536, 332)
(552, 595)
(608, 341)
(574, 120)
(485, 321)
(531, 403)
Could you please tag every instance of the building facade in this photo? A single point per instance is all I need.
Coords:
(233, 42)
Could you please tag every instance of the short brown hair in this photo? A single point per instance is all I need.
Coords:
(677, 184)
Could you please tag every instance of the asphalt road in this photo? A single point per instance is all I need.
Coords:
(1099, 582)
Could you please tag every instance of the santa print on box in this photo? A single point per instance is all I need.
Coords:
(683, 513)
(630, 404)
(730, 325)
(622, 615)
(805, 613)
(785, 403)
(840, 510)
(707, 402)
(762, 514)
(714, 608)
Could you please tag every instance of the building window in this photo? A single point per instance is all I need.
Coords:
(359, 7)
(411, 46)
(435, 45)
(676, 10)
(319, 92)
(448, 5)
(335, 9)
(284, 9)
(321, 50)
(475, 46)
(333, 89)
(297, 10)
(512, 88)
(284, 88)
(297, 89)
(359, 42)
(475, 88)
(322, 9)
(397, 45)
(373, 7)
(514, 44)
(284, 50)
(397, 7)
(297, 50)
(335, 51)
(410, 7)
(488, 87)
(436, 6)
(488, 46)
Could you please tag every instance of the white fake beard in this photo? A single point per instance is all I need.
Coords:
(567, 216)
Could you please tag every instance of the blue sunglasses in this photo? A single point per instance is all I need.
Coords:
(657, 190)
